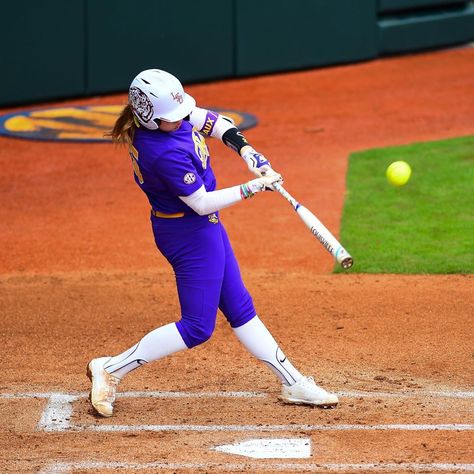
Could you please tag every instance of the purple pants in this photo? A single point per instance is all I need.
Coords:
(207, 275)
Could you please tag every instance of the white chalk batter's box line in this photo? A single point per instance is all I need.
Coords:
(161, 394)
(58, 412)
(64, 467)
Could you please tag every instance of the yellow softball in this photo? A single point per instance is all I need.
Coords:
(398, 173)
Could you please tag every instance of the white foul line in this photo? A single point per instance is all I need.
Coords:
(64, 467)
(388, 427)
(57, 414)
(158, 394)
(150, 394)
(421, 393)
(192, 395)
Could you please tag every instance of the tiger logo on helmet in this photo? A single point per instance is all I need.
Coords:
(141, 104)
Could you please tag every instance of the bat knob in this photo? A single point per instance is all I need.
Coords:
(347, 263)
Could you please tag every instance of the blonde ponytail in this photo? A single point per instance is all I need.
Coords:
(124, 128)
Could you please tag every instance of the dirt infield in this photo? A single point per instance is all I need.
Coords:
(80, 277)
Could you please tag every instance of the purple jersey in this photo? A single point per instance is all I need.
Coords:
(171, 164)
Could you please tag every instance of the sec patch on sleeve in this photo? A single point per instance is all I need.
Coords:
(189, 178)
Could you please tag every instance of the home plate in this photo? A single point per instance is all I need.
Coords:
(271, 448)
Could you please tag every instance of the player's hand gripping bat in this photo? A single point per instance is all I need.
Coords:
(330, 243)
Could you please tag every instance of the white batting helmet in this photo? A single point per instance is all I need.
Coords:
(158, 95)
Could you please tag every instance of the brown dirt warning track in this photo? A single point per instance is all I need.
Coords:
(80, 277)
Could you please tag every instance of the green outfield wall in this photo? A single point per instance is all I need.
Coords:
(58, 49)
(276, 35)
(42, 53)
(414, 25)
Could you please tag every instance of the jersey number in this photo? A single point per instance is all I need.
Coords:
(136, 169)
(200, 148)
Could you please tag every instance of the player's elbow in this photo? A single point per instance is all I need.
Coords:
(202, 211)
(199, 202)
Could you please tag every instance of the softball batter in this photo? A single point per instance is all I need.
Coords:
(165, 131)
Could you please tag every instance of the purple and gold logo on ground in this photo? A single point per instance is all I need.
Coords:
(86, 124)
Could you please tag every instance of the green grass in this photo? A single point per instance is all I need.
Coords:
(426, 226)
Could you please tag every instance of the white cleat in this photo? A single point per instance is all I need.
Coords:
(306, 392)
(104, 386)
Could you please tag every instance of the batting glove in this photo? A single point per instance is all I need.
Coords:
(265, 183)
(256, 162)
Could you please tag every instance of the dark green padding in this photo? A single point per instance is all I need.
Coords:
(42, 52)
(277, 35)
(57, 49)
(422, 31)
(193, 40)
(400, 5)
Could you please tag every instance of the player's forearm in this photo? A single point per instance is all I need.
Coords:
(203, 202)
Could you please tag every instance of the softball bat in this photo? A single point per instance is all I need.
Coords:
(317, 228)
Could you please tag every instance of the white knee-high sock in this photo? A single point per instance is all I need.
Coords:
(258, 341)
(158, 343)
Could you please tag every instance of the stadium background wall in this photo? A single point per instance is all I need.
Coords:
(55, 50)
